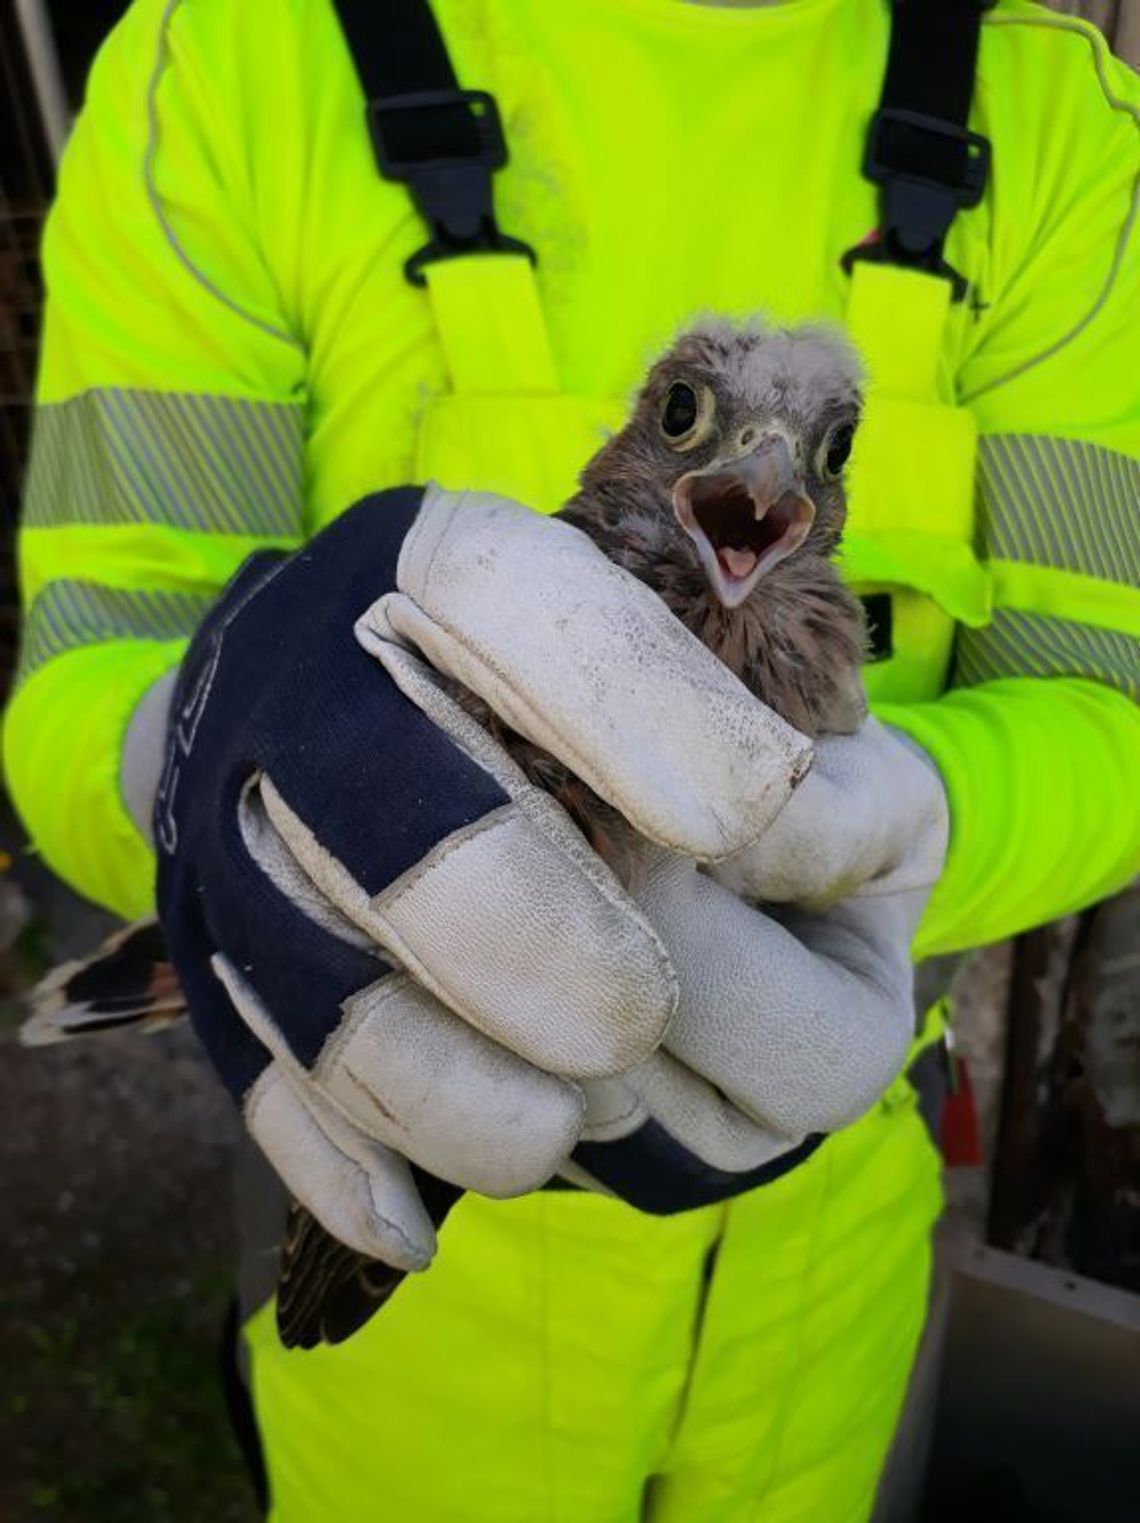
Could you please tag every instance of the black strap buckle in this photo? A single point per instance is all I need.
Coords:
(929, 170)
(444, 145)
(442, 142)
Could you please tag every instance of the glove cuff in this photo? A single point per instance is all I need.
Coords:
(651, 1170)
(143, 750)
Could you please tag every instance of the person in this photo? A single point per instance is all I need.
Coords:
(234, 354)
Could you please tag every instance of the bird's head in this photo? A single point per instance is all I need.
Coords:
(736, 449)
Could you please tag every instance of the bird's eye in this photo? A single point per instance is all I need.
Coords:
(680, 410)
(685, 414)
(836, 450)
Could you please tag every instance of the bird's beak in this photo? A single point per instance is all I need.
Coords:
(744, 516)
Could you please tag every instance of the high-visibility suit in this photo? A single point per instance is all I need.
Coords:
(232, 356)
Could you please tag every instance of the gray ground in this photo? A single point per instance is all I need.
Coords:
(114, 1277)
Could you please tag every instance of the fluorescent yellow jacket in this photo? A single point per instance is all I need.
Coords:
(232, 356)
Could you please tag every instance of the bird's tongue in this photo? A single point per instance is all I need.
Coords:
(738, 563)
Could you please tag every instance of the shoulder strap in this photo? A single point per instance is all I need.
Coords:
(919, 149)
(442, 142)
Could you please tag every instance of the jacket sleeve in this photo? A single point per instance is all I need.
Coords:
(1038, 740)
(167, 439)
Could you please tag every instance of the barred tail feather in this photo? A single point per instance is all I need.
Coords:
(326, 1291)
(128, 982)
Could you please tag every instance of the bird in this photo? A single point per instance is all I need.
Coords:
(725, 492)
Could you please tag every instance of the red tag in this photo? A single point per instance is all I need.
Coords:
(961, 1134)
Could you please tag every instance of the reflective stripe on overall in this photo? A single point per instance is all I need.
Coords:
(751, 1358)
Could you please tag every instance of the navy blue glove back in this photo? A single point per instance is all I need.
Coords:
(275, 682)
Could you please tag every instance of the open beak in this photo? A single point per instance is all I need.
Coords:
(744, 516)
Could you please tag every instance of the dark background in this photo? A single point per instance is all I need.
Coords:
(115, 1243)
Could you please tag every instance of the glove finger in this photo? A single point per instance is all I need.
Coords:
(802, 1034)
(613, 1110)
(588, 663)
(357, 1189)
(409, 1073)
(519, 928)
(704, 1120)
(870, 817)
(399, 1064)
(360, 1191)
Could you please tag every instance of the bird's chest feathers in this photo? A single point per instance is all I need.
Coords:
(796, 643)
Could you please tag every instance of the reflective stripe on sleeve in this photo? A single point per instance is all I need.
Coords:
(223, 465)
(1061, 503)
(1017, 644)
(1057, 523)
(67, 614)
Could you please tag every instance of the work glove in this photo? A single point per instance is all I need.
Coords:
(786, 1028)
(399, 954)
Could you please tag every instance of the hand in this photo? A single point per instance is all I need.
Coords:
(393, 946)
(785, 1030)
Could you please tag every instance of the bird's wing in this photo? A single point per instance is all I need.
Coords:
(128, 981)
(325, 1291)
